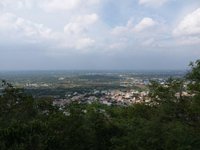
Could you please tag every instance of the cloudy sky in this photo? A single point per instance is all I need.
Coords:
(99, 34)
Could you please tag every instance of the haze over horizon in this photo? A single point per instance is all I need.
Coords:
(99, 34)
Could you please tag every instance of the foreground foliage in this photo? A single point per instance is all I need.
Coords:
(168, 121)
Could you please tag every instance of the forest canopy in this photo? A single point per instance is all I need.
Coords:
(168, 121)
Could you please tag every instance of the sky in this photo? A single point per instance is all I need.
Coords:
(99, 34)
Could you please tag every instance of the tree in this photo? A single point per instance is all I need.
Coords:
(170, 120)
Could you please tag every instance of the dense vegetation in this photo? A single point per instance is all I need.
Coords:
(168, 122)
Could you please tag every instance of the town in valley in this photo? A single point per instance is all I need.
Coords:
(106, 87)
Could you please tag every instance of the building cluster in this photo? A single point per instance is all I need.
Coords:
(36, 85)
(110, 97)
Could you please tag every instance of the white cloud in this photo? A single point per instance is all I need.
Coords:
(144, 24)
(17, 4)
(121, 30)
(147, 32)
(6, 21)
(48, 5)
(54, 5)
(190, 25)
(153, 3)
(80, 24)
(84, 43)
(188, 40)
(187, 31)
(31, 29)
(130, 28)
(76, 32)
(149, 42)
(141, 34)
(117, 46)
(17, 27)
(73, 37)
(65, 5)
